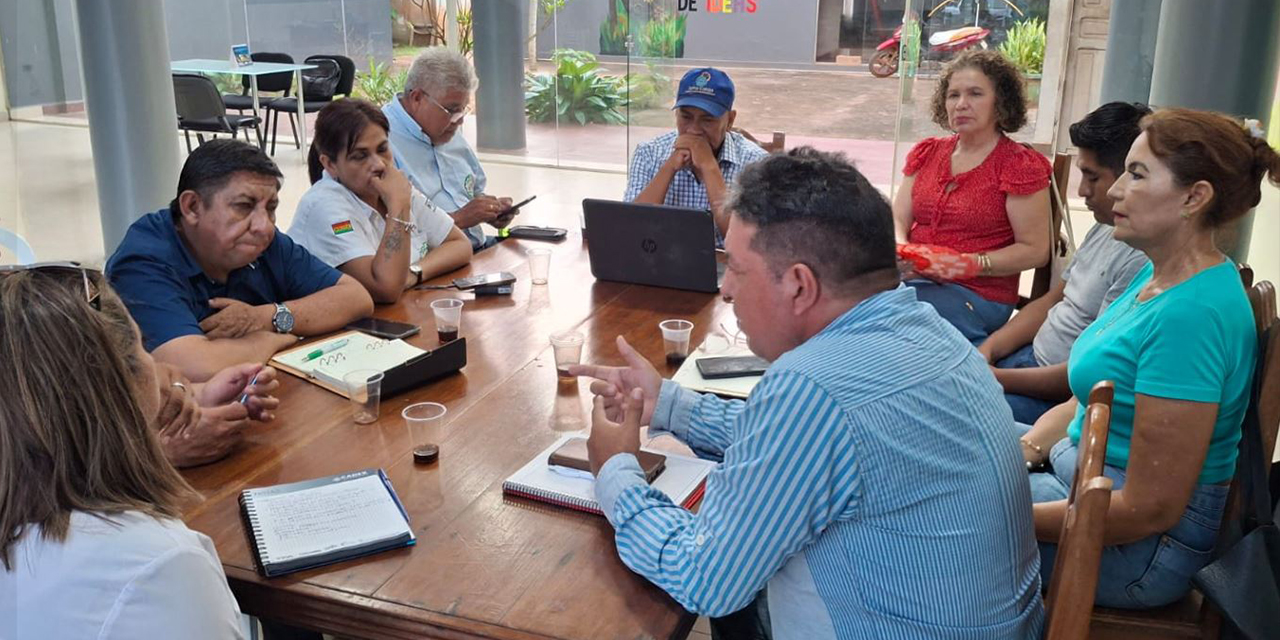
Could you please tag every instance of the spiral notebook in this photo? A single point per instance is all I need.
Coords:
(308, 524)
(358, 351)
(682, 480)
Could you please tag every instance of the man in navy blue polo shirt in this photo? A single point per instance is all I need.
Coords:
(212, 283)
(693, 166)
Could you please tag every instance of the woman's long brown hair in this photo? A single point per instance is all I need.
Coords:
(72, 435)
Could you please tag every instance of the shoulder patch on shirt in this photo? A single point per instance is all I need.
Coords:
(340, 228)
(469, 186)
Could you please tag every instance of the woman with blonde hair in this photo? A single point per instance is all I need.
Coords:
(1179, 344)
(90, 532)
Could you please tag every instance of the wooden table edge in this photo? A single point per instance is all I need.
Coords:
(347, 614)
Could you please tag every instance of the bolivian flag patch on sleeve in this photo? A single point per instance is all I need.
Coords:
(340, 228)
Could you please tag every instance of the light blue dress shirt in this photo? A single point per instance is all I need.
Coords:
(686, 190)
(872, 481)
(449, 174)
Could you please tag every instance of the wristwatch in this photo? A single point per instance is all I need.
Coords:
(417, 274)
(282, 321)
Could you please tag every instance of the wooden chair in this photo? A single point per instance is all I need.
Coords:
(1193, 616)
(1042, 277)
(1075, 568)
(779, 142)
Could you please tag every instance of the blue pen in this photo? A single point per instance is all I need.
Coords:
(244, 399)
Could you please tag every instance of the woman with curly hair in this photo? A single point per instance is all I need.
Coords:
(976, 201)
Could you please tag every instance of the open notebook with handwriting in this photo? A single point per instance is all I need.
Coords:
(317, 522)
(360, 351)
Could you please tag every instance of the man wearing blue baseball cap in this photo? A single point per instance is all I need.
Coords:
(692, 166)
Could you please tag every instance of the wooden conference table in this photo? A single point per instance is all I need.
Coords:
(485, 566)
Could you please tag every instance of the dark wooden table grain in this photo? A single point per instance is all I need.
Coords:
(484, 566)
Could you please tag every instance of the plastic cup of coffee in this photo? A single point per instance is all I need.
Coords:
(364, 387)
(423, 419)
(675, 339)
(567, 347)
(448, 313)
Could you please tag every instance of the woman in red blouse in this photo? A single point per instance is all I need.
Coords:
(977, 193)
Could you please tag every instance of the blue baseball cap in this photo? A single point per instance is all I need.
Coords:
(708, 89)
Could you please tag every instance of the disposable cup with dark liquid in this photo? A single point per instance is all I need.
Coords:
(675, 340)
(448, 313)
(423, 420)
(567, 348)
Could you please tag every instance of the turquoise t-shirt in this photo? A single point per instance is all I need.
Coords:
(1195, 341)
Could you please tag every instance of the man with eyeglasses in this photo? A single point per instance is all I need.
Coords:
(424, 122)
(210, 280)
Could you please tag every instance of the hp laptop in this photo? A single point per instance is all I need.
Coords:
(651, 244)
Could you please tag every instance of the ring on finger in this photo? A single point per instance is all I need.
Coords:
(178, 385)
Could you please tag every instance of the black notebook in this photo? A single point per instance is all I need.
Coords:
(307, 524)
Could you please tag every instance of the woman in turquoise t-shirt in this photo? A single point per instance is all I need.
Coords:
(1179, 345)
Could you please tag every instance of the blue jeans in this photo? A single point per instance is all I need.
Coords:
(1025, 408)
(1151, 572)
(975, 316)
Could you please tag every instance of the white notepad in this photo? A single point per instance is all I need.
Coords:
(682, 480)
(688, 377)
(307, 524)
(362, 351)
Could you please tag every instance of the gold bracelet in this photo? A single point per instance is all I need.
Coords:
(984, 260)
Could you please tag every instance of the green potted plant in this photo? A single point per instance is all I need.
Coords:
(1024, 46)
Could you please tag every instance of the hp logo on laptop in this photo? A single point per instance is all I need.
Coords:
(648, 245)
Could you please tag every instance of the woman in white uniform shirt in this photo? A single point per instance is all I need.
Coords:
(90, 535)
(362, 216)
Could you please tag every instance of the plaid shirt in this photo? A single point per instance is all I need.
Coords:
(685, 190)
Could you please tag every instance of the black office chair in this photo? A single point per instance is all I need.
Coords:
(333, 76)
(280, 83)
(200, 109)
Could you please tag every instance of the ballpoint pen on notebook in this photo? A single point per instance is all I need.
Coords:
(329, 348)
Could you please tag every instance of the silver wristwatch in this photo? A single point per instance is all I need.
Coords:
(282, 321)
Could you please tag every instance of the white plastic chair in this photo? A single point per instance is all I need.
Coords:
(16, 245)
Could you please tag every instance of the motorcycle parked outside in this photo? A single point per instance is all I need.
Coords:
(942, 45)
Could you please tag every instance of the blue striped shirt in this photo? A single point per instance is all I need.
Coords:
(872, 481)
(686, 190)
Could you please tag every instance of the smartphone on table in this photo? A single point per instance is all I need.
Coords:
(484, 280)
(389, 329)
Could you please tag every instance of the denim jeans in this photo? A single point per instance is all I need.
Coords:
(1151, 572)
(1025, 408)
(975, 316)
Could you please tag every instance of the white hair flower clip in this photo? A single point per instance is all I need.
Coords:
(1255, 128)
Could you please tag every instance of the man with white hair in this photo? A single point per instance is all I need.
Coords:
(424, 120)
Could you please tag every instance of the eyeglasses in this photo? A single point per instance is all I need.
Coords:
(455, 115)
(92, 294)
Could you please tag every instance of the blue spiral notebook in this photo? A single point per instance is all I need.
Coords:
(308, 524)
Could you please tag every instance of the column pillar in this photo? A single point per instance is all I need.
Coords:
(1221, 56)
(124, 49)
(499, 29)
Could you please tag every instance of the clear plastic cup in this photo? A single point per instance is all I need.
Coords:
(423, 419)
(539, 265)
(567, 346)
(448, 313)
(675, 339)
(364, 387)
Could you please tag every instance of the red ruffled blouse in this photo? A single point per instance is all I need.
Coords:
(967, 212)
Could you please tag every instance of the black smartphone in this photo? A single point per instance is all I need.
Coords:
(487, 279)
(731, 367)
(513, 208)
(527, 232)
(389, 329)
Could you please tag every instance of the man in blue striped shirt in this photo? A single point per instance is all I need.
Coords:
(872, 481)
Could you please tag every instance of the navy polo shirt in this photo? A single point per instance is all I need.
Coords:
(168, 294)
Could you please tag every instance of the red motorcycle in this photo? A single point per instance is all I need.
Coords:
(941, 45)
